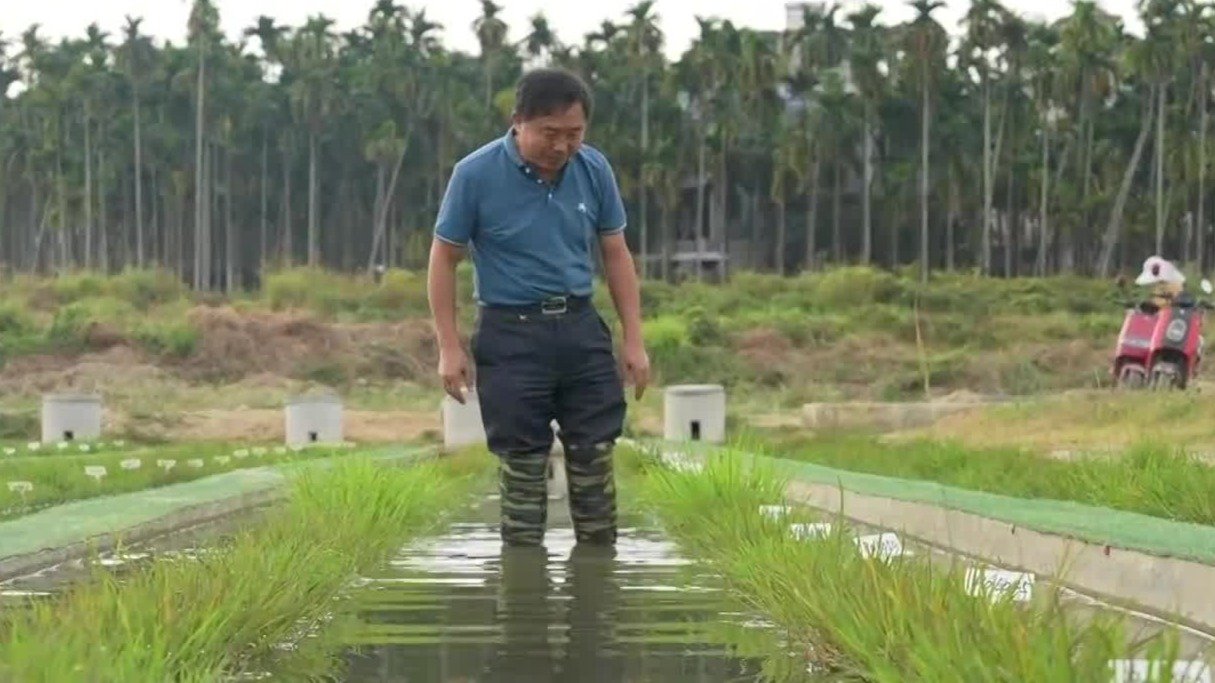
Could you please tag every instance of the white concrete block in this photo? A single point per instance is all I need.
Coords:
(313, 419)
(71, 417)
(695, 412)
(462, 424)
(558, 482)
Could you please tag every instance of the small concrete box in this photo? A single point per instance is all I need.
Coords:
(695, 412)
(462, 424)
(71, 417)
(313, 419)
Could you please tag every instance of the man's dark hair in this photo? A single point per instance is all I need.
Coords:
(541, 92)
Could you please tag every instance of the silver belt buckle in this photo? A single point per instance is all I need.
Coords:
(555, 306)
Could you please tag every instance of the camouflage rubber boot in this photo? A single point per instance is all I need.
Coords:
(592, 493)
(524, 493)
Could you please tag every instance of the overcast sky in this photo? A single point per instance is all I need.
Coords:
(166, 19)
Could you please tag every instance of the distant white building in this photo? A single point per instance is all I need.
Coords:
(795, 11)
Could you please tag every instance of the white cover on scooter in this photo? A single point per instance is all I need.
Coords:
(1157, 270)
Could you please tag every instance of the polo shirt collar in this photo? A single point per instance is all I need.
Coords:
(512, 149)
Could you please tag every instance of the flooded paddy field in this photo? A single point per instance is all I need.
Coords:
(460, 607)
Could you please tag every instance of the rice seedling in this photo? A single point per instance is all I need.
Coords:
(901, 618)
(1147, 479)
(233, 610)
(58, 479)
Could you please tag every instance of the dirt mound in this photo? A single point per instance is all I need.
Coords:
(93, 372)
(764, 346)
(234, 345)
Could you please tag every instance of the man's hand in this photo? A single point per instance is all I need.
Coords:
(453, 369)
(637, 366)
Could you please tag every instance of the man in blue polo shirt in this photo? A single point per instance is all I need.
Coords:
(529, 208)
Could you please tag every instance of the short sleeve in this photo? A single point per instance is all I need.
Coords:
(612, 218)
(457, 217)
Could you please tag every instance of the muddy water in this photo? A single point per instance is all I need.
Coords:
(460, 607)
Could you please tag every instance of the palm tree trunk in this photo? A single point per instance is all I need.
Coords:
(781, 227)
(1044, 206)
(987, 178)
(1162, 95)
(139, 247)
(230, 268)
(261, 254)
(385, 194)
(1114, 227)
(287, 241)
(812, 216)
(924, 132)
(698, 232)
(950, 220)
(103, 230)
(645, 147)
(313, 203)
(199, 200)
(866, 198)
(88, 187)
(837, 246)
(1202, 166)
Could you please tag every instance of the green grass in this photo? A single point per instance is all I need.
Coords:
(851, 331)
(903, 620)
(1148, 479)
(59, 476)
(227, 613)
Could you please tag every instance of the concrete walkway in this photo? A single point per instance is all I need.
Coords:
(74, 529)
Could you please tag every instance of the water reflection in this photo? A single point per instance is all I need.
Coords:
(461, 608)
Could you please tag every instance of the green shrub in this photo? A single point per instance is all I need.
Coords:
(400, 292)
(665, 334)
(76, 286)
(704, 328)
(315, 289)
(855, 286)
(71, 325)
(145, 288)
(175, 337)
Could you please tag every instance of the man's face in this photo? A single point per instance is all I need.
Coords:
(547, 142)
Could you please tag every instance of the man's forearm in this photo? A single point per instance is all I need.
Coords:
(626, 293)
(441, 292)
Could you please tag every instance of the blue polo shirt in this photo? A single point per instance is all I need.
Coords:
(529, 240)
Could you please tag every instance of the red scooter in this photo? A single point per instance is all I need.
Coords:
(1161, 348)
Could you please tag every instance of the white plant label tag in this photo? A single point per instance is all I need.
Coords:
(119, 444)
(240, 453)
(84, 448)
(681, 463)
(998, 582)
(10, 451)
(34, 446)
(883, 546)
(222, 459)
(774, 511)
(166, 464)
(280, 450)
(258, 452)
(63, 445)
(812, 530)
(196, 463)
(1145, 670)
(22, 487)
(95, 471)
(131, 464)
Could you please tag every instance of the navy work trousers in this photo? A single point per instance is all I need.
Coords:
(533, 368)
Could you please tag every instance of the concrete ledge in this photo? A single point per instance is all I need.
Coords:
(181, 520)
(1166, 586)
(74, 530)
(882, 416)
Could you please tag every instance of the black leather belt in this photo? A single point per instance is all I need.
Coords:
(557, 305)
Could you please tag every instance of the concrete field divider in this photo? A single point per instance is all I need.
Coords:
(75, 529)
(1159, 566)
